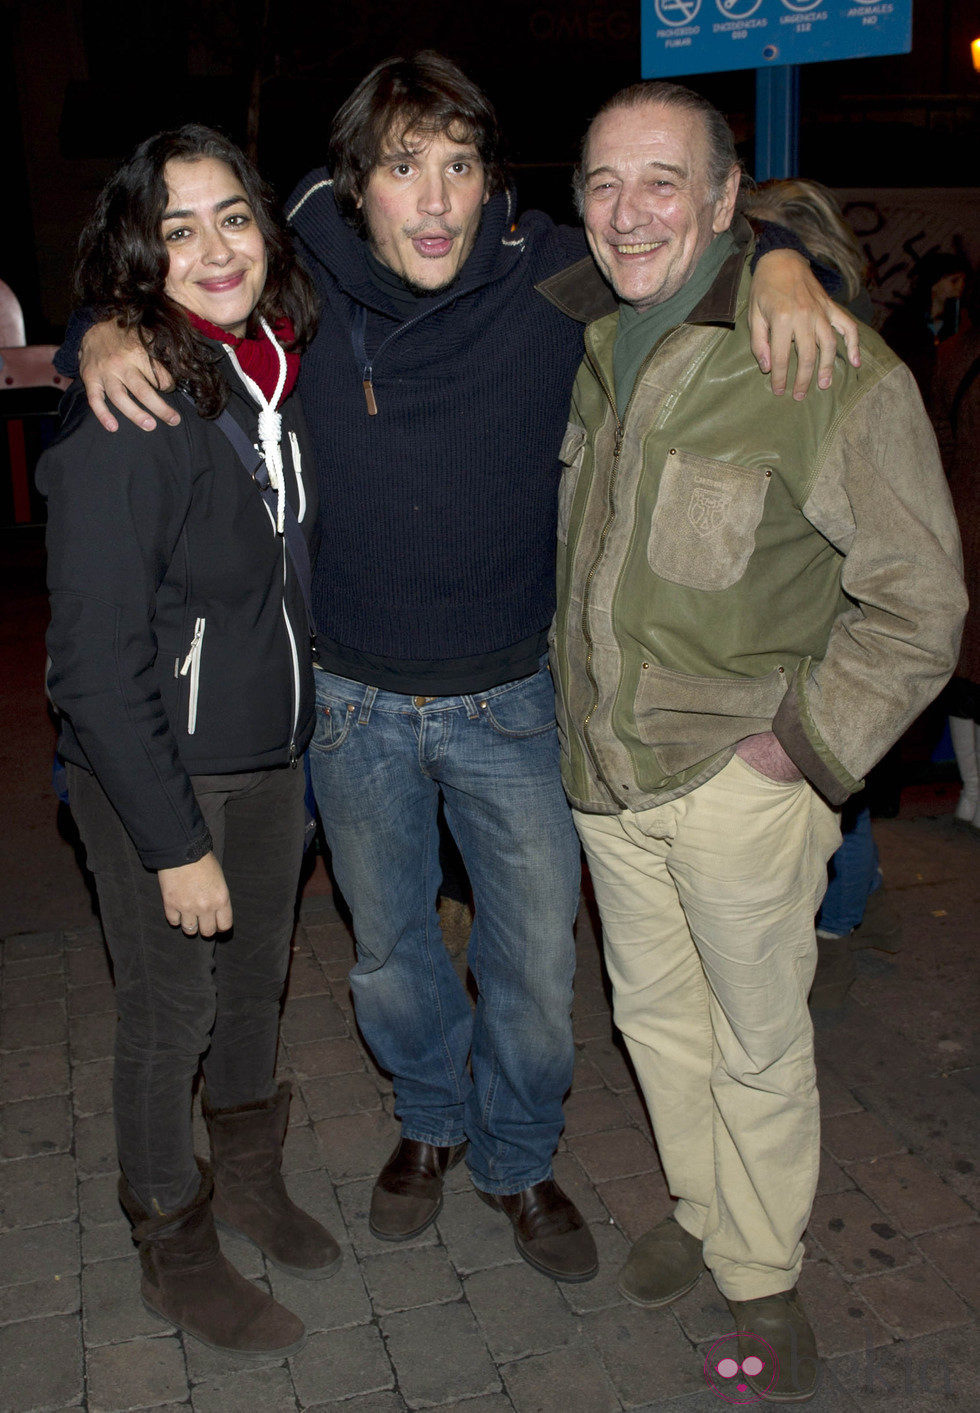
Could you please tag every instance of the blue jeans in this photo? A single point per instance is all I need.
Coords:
(854, 876)
(379, 763)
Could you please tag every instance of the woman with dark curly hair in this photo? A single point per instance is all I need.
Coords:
(180, 664)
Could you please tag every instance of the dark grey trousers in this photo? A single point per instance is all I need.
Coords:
(183, 998)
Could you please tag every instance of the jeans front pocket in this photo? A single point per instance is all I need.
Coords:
(524, 708)
(334, 718)
(702, 531)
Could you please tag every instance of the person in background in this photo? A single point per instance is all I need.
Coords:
(930, 314)
(956, 413)
(810, 210)
(854, 898)
(180, 666)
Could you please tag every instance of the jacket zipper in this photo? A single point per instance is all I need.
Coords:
(294, 656)
(610, 517)
(191, 668)
(291, 638)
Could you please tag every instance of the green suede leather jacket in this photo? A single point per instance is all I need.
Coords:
(731, 563)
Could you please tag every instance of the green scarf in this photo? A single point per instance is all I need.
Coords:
(640, 329)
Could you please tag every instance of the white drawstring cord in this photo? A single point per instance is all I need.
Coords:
(270, 423)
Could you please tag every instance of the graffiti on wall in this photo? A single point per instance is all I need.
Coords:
(896, 228)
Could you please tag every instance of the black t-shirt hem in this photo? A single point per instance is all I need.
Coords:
(448, 677)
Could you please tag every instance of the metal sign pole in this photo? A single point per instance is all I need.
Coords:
(777, 122)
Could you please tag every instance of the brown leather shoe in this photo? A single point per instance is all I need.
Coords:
(549, 1231)
(408, 1193)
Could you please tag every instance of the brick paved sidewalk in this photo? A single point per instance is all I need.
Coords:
(455, 1320)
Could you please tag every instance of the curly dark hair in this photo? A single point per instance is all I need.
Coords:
(426, 94)
(123, 261)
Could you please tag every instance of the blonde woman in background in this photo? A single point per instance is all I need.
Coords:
(811, 212)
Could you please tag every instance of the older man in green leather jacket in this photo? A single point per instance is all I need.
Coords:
(756, 596)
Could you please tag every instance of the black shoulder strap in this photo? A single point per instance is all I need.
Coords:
(248, 454)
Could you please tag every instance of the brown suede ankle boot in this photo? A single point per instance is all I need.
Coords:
(187, 1281)
(250, 1197)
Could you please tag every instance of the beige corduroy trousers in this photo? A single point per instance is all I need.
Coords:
(707, 907)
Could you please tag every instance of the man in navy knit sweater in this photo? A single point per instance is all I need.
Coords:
(436, 393)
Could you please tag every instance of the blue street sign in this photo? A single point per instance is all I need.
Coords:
(705, 36)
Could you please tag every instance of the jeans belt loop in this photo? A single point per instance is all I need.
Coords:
(366, 705)
(471, 708)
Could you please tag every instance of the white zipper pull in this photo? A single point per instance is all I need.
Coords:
(195, 644)
(192, 665)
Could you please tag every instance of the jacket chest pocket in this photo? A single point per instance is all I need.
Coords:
(702, 531)
(571, 456)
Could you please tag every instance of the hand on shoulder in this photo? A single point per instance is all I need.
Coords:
(115, 367)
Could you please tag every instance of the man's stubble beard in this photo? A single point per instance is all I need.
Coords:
(428, 291)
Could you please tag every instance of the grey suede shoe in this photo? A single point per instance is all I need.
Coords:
(781, 1322)
(662, 1266)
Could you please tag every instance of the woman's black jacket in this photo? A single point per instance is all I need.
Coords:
(179, 642)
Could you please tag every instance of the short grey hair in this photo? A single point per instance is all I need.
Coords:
(722, 156)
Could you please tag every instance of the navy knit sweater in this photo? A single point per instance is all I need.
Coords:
(438, 514)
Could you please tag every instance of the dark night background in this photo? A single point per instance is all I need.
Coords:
(81, 81)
